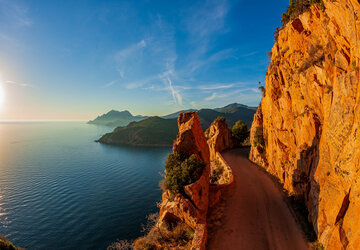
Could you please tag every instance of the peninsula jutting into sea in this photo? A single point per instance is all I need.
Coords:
(216, 124)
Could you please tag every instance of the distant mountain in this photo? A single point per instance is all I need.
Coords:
(158, 131)
(234, 107)
(153, 131)
(232, 113)
(176, 114)
(116, 118)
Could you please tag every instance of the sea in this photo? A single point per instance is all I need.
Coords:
(59, 189)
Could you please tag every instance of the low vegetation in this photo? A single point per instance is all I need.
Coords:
(220, 119)
(121, 245)
(297, 7)
(180, 171)
(5, 244)
(240, 131)
(217, 172)
(259, 137)
(316, 57)
(166, 235)
(149, 132)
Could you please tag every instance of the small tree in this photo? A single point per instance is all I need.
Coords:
(259, 137)
(240, 131)
(221, 119)
(181, 171)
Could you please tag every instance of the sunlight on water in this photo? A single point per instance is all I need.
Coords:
(61, 190)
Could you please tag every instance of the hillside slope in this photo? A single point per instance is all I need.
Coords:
(157, 131)
(306, 131)
(154, 131)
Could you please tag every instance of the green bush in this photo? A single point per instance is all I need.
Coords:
(221, 119)
(240, 131)
(181, 171)
(297, 7)
(216, 173)
(166, 236)
(259, 137)
(7, 245)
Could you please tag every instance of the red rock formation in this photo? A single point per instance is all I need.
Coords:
(310, 118)
(218, 138)
(190, 139)
(192, 209)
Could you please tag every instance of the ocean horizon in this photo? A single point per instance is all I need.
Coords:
(59, 189)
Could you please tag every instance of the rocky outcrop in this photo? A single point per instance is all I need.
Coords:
(218, 137)
(191, 209)
(310, 118)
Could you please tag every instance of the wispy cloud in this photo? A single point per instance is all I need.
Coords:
(132, 53)
(175, 94)
(109, 84)
(250, 54)
(123, 54)
(215, 96)
(209, 18)
(16, 14)
(214, 87)
(18, 83)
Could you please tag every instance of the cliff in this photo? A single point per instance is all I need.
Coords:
(218, 137)
(306, 130)
(193, 208)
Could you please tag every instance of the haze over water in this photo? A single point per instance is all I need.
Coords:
(61, 190)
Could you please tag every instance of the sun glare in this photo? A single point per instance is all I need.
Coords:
(1, 93)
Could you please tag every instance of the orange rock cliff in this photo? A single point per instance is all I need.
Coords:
(192, 209)
(306, 131)
(218, 137)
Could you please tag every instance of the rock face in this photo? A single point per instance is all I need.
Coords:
(193, 208)
(218, 138)
(310, 118)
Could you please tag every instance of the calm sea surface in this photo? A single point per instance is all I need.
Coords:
(61, 190)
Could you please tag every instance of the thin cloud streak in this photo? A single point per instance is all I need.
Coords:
(215, 96)
(109, 84)
(175, 94)
(18, 84)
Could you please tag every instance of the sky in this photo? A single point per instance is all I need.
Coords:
(74, 60)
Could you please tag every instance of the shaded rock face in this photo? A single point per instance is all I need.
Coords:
(218, 138)
(193, 208)
(310, 117)
(191, 139)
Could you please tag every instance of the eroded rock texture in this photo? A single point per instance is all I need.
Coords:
(193, 208)
(218, 137)
(310, 115)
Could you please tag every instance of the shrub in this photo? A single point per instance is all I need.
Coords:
(259, 137)
(181, 171)
(6, 244)
(240, 131)
(221, 119)
(121, 245)
(166, 236)
(316, 57)
(262, 89)
(297, 7)
(216, 173)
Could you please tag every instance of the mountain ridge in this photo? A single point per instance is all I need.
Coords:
(158, 131)
(115, 118)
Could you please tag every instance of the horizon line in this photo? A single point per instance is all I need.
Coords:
(64, 120)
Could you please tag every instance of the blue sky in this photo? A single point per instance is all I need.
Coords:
(73, 60)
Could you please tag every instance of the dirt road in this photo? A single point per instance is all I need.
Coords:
(256, 216)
